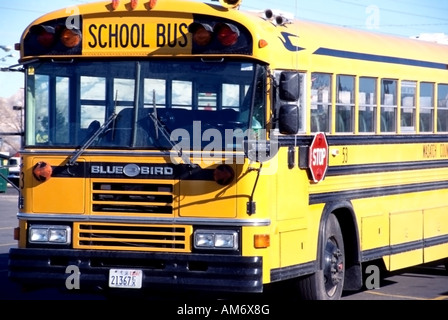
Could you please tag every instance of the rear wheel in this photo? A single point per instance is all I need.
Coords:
(327, 283)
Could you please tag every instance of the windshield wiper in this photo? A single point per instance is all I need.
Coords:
(92, 139)
(97, 133)
(155, 117)
(160, 127)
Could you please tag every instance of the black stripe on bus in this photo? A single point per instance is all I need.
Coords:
(376, 192)
(303, 143)
(367, 255)
(180, 172)
(355, 140)
(379, 58)
(290, 272)
(378, 253)
(386, 139)
(385, 167)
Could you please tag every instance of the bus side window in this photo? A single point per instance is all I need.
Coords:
(388, 106)
(42, 109)
(442, 108)
(426, 107)
(367, 104)
(408, 114)
(320, 102)
(345, 106)
(302, 102)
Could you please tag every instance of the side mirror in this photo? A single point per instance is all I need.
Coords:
(288, 119)
(289, 86)
(260, 150)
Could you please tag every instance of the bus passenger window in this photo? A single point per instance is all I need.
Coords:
(320, 102)
(408, 93)
(389, 106)
(442, 108)
(367, 104)
(155, 88)
(93, 101)
(345, 106)
(182, 96)
(426, 107)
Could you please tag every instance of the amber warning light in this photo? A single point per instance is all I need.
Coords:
(132, 5)
(42, 171)
(53, 39)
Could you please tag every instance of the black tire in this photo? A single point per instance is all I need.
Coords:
(327, 283)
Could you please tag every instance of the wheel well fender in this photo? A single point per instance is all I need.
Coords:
(345, 214)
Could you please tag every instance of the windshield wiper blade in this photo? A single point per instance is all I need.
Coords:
(92, 139)
(160, 127)
(154, 115)
(165, 133)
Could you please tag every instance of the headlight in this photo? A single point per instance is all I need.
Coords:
(216, 239)
(46, 234)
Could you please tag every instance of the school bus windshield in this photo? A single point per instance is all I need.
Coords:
(153, 102)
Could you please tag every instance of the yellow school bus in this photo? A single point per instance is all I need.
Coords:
(189, 146)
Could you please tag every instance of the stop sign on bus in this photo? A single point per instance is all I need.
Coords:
(318, 157)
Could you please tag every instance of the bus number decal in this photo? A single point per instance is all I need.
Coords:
(444, 150)
(433, 151)
(429, 151)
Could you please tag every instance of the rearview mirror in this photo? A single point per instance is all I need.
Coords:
(260, 150)
(288, 119)
(289, 86)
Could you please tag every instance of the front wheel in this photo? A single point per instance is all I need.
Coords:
(327, 282)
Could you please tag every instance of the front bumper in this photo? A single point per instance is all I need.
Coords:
(197, 272)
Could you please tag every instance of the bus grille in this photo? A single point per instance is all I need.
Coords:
(98, 236)
(143, 198)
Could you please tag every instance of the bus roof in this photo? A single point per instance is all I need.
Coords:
(315, 36)
(292, 41)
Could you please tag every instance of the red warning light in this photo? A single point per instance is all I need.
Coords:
(115, 4)
(227, 34)
(134, 4)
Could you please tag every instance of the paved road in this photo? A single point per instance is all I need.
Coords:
(419, 283)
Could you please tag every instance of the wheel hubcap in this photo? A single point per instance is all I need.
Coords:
(334, 267)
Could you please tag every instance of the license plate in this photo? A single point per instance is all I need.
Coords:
(125, 278)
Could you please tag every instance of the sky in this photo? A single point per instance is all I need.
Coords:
(408, 18)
